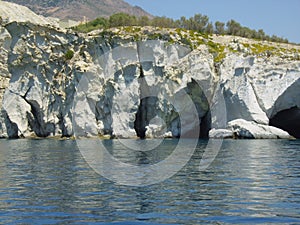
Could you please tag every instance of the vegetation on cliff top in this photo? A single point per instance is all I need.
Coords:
(198, 22)
(218, 46)
(194, 32)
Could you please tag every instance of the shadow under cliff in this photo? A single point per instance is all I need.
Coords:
(288, 120)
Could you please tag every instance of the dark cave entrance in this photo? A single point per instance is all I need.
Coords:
(145, 113)
(205, 125)
(288, 120)
(201, 103)
(148, 109)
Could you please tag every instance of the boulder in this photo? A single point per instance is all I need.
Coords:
(16, 112)
(221, 133)
(250, 129)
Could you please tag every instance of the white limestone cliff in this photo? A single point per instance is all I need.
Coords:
(117, 86)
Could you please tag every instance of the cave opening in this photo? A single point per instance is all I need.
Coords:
(194, 128)
(146, 110)
(201, 103)
(205, 125)
(145, 113)
(288, 120)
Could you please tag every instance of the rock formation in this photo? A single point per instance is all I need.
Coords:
(144, 82)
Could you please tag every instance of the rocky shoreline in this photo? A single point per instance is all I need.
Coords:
(144, 82)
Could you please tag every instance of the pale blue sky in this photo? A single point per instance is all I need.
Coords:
(279, 17)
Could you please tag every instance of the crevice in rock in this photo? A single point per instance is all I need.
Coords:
(12, 128)
(62, 126)
(258, 100)
(36, 122)
(288, 120)
(202, 106)
(205, 125)
(103, 110)
(146, 109)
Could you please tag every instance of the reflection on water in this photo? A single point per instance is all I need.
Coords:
(251, 181)
(125, 166)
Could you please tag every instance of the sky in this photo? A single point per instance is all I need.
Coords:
(279, 17)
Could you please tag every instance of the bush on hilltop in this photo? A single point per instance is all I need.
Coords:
(198, 22)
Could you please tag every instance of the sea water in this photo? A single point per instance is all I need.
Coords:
(248, 182)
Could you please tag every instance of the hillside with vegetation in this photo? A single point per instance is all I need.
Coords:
(199, 23)
(79, 10)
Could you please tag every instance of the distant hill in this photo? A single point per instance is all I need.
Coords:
(80, 9)
(13, 12)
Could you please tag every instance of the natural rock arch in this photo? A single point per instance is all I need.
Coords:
(288, 120)
(286, 110)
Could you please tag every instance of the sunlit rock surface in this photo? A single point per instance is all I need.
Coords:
(58, 83)
(246, 129)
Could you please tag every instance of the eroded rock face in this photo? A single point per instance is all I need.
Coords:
(42, 83)
(144, 84)
(5, 41)
(276, 84)
(240, 97)
(259, 88)
(123, 88)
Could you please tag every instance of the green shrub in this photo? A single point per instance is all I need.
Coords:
(199, 23)
(69, 54)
